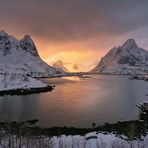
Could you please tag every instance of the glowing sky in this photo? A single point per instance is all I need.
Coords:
(78, 32)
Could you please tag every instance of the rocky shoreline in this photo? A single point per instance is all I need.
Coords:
(26, 91)
(139, 77)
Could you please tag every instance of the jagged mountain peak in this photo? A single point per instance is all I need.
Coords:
(3, 37)
(125, 59)
(21, 56)
(8, 44)
(3, 33)
(130, 44)
(28, 38)
(28, 45)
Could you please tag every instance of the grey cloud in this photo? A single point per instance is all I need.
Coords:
(68, 20)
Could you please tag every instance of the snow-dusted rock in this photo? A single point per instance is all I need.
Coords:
(21, 57)
(125, 59)
(137, 77)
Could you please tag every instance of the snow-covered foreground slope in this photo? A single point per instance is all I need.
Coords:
(14, 81)
(21, 57)
(125, 59)
(91, 140)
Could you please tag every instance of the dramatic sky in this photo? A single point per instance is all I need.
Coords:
(78, 32)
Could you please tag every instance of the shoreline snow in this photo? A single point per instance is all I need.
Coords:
(20, 84)
(90, 140)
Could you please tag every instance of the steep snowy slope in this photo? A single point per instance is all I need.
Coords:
(125, 59)
(21, 57)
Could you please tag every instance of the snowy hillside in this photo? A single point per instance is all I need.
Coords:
(125, 59)
(21, 57)
(59, 65)
(13, 81)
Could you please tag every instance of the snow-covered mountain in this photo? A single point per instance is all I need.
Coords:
(21, 57)
(59, 65)
(125, 59)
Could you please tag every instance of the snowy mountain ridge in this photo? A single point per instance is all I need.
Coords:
(21, 57)
(125, 59)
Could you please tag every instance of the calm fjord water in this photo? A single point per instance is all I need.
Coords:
(78, 102)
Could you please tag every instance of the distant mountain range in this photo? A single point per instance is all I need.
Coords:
(125, 59)
(21, 57)
(59, 65)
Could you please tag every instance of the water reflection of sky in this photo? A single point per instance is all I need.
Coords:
(73, 78)
(78, 102)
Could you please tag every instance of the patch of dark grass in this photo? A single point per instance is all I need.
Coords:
(136, 128)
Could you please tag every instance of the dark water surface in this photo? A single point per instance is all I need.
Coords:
(78, 102)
